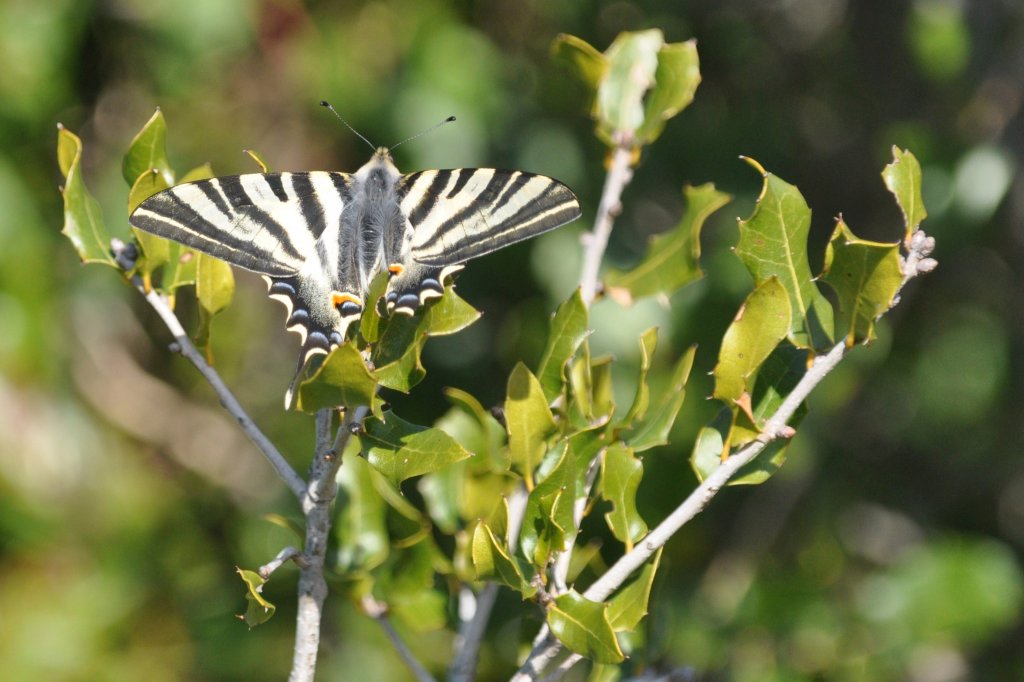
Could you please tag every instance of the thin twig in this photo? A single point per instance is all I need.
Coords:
(227, 398)
(595, 242)
(379, 613)
(287, 554)
(316, 505)
(471, 632)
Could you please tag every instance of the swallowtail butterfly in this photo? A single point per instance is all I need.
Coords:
(318, 238)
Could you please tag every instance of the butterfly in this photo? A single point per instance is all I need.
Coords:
(319, 238)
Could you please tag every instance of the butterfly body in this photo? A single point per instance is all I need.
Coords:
(320, 237)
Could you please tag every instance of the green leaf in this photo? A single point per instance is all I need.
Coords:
(568, 328)
(642, 397)
(148, 151)
(621, 472)
(215, 287)
(675, 83)
(629, 606)
(588, 65)
(401, 450)
(761, 323)
(491, 561)
(407, 584)
(370, 322)
(548, 521)
(773, 242)
(360, 528)
(259, 610)
(673, 259)
(83, 219)
(653, 429)
(155, 250)
(582, 626)
(488, 437)
(341, 380)
(632, 65)
(866, 277)
(528, 420)
(396, 356)
(903, 178)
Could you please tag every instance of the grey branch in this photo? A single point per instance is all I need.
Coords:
(595, 242)
(227, 398)
(379, 613)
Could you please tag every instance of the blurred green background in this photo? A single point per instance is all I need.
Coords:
(888, 548)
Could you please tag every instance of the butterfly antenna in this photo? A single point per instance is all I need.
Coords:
(423, 132)
(327, 105)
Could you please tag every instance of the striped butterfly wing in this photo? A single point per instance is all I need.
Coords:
(463, 213)
(271, 224)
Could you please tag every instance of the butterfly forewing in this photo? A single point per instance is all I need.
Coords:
(265, 222)
(464, 213)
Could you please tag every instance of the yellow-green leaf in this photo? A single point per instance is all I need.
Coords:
(148, 151)
(215, 287)
(675, 83)
(83, 219)
(401, 450)
(632, 64)
(654, 428)
(156, 251)
(528, 420)
(259, 610)
(566, 332)
(582, 626)
(773, 242)
(342, 380)
(360, 528)
(621, 472)
(761, 323)
(866, 277)
(673, 259)
(588, 65)
(629, 605)
(903, 178)
(491, 561)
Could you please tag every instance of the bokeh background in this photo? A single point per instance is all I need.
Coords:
(888, 548)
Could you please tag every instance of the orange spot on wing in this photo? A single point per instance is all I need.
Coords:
(396, 269)
(337, 298)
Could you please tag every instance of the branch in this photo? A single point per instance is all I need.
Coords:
(184, 346)
(379, 613)
(595, 242)
(316, 505)
(546, 647)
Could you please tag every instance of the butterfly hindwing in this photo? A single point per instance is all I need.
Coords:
(463, 213)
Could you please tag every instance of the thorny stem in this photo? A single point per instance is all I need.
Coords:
(546, 647)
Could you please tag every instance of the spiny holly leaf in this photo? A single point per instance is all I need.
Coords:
(654, 428)
(83, 219)
(582, 626)
(215, 287)
(360, 527)
(401, 450)
(528, 420)
(259, 610)
(903, 178)
(866, 276)
(148, 151)
(588, 65)
(492, 561)
(568, 328)
(673, 259)
(621, 472)
(629, 606)
(642, 397)
(675, 83)
(773, 242)
(156, 251)
(396, 355)
(632, 63)
(762, 321)
(548, 520)
(341, 380)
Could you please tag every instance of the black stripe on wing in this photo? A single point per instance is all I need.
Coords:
(265, 222)
(483, 210)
